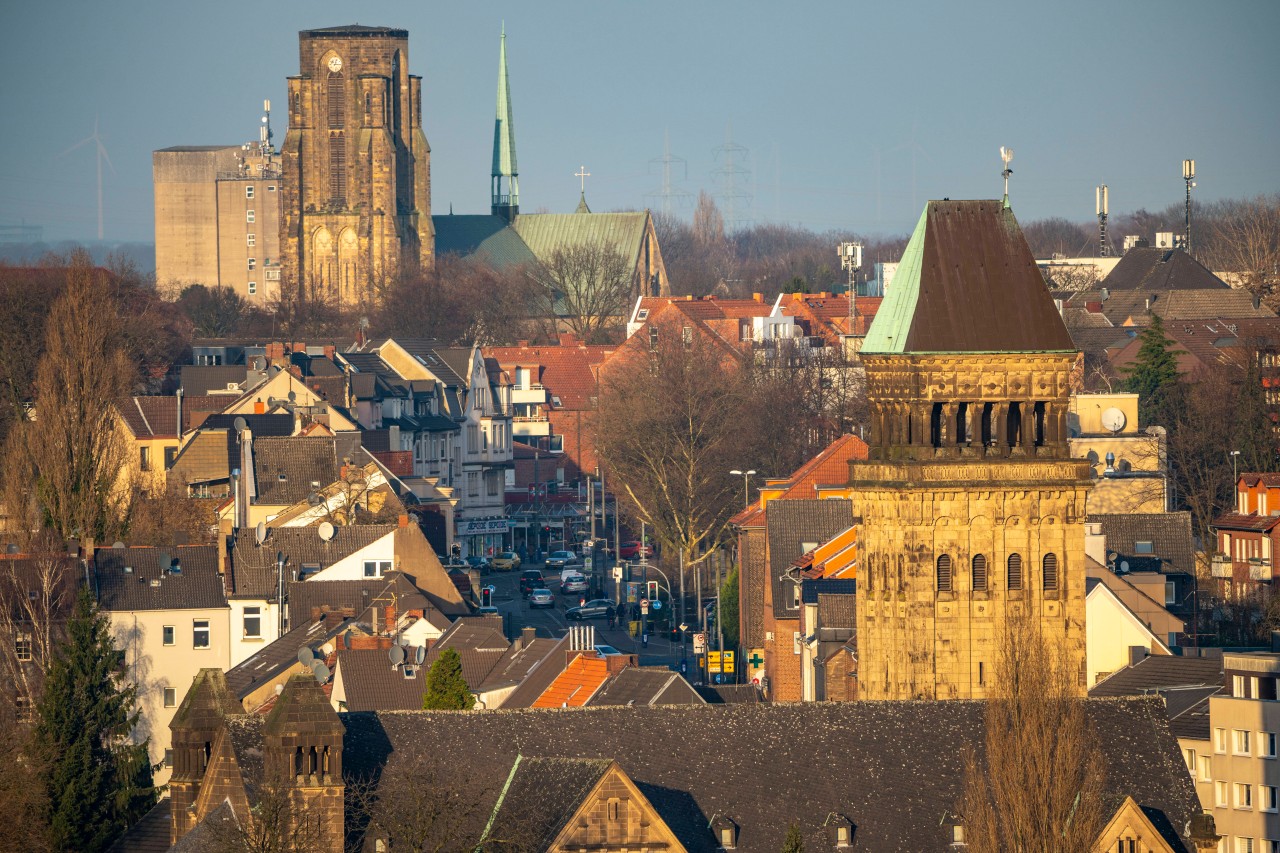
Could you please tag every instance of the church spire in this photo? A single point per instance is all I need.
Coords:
(505, 203)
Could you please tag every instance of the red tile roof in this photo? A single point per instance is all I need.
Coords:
(577, 684)
(1236, 521)
(830, 467)
(1268, 480)
(565, 371)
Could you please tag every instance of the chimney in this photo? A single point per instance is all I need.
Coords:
(522, 344)
(1095, 543)
(617, 663)
(824, 295)
(758, 297)
(1105, 294)
(403, 519)
(259, 407)
(568, 339)
(1137, 654)
(527, 636)
(329, 350)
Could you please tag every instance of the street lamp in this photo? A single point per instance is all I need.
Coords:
(746, 477)
(1235, 458)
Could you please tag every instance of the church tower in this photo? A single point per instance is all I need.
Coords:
(356, 208)
(195, 727)
(505, 183)
(972, 509)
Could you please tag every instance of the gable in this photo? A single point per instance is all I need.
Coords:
(615, 814)
(1131, 824)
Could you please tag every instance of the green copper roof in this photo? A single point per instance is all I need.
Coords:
(504, 131)
(582, 204)
(967, 283)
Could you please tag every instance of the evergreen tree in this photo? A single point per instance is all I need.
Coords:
(96, 782)
(794, 842)
(1153, 373)
(729, 609)
(446, 690)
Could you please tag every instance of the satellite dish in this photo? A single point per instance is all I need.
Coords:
(293, 396)
(118, 545)
(326, 531)
(260, 532)
(397, 655)
(1124, 565)
(320, 670)
(279, 689)
(240, 424)
(420, 655)
(306, 656)
(1113, 419)
(346, 641)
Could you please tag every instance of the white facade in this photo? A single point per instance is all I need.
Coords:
(372, 561)
(1111, 629)
(252, 625)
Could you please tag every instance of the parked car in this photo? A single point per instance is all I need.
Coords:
(478, 562)
(632, 550)
(507, 561)
(541, 597)
(562, 559)
(529, 588)
(487, 611)
(529, 579)
(573, 585)
(596, 608)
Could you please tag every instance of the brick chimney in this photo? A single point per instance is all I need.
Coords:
(527, 636)
(617, 663)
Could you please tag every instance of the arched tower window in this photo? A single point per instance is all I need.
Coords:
(1050, 571)
(944, 573)
(1015, 571)
(979, 572)
(336, 103)
(1013, 422)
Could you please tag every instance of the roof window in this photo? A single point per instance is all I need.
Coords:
(1144, 548)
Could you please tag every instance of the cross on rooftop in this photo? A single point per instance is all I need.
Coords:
(582, 174)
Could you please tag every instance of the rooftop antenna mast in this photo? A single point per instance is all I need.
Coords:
(1188, 175)
(102, 155)
(264, 132)
(1006, 155)
(851, 260)
(1100, 202)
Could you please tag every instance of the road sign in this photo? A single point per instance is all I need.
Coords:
(644, 605)
(700, 643)
(617, 573)
(728, 662)
(684, 626)
(713, 661)
(657, 605)
(586, 564)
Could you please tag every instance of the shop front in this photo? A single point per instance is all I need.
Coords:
(483, 537)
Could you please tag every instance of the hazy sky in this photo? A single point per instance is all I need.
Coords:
(818, 93)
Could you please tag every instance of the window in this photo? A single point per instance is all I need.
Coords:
(1269, 800)
(170, 697)
(251, 239)
(795, 597)
(1015, 571)
(253, 264)
(980, 573)
(144, 458)
(1206, 768)
(1170, 592)
(170, 454)
(22, 646)
(944, 573)
(253, 287)
(1267, 744)
(23, 708)
(473, 484)
(271, 188)
(653, 338)
(253, 622)
(248, 216)
(1219, 740)
(1189, 756)
(1144, 548)
(200, 634)
(957, 834)
(167, 633)
(1244, 845)
(248, 191)
(168, 758)
(1220, 793)
(376, 568)
(1237, 686)
(1050, 571)
(1241, 745)
(686, 335)
(1244, 795)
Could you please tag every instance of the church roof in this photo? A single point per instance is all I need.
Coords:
(535, 236)
(355, 31)
(504, 130)
(967, 282)
(488, 238)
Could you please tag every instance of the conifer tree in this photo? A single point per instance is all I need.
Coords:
(446, 689)
(1153, 373)
(96, 782)
(794, 842)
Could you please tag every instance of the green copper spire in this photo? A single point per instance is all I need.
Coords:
(506, 204)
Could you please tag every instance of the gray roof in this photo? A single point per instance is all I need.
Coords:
(541, 797)
(520, 660)
(1168, 532)
(791, 525)
(487, 238)
(148, 835)
(480, 644)
(540, 676)
(288, 470)
(731, 694)
(253, 566)
(204, 378)
(209, 835)
(895, 769)
(142, 578)
(354, 597)
(1185, 683)
(1161, 269)
(646, 686)
(354, 31)
(371, 683)
(277, 656)
(811, 588)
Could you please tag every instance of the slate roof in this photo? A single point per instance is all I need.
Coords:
(539, 677)
(285, 469)
(277, 656)
(200, 379)
(541, 797)
(253, 567)
(354, 31)
(1169, 533)
(208, 835)
(488, 238)
(151, 586)
(575, 686)
(1185, 683)
(371, 683)
(811, 588)
(148, 835)
(646, 686)
(1161, 269)
(157, 416)
(895, 769)
(214, 451)
(791, 523)
(731, 694)
(967, 282)
(518, 662)
(479, 642)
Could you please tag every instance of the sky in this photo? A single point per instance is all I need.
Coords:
(842, 115)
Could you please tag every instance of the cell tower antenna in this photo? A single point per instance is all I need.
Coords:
(730, 176)
(264, 133)
(102, 155)
(1100, 196)
(1006, 155)
(668, 193)
(1188, 175)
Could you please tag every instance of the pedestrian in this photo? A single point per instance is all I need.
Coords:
(612, 619)
(582, 602)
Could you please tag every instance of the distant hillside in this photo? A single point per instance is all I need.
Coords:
(142, 255)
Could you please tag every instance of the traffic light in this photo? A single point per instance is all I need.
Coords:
(652, 591)
(486, 596)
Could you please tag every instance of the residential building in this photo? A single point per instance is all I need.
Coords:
(356, 206)
(1154, 552)
(1246, 537)
(1131, 465)
(972, 508)
(169, 615)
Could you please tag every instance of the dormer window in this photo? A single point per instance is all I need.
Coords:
(726, 832)
(642, 315)
(839, 831)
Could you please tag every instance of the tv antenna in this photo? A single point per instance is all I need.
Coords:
(1006, 155)
(102, 155)
(1100, 196)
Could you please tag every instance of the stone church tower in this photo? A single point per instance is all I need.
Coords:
(356, 205)
(972, 509)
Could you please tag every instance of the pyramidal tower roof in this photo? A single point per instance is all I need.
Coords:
(504, 132)
(967, 283)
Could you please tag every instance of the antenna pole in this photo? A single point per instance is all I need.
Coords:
(1188, 175)
(1100, 196)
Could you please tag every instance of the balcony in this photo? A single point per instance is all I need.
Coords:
(1223, 566)
(1220, 566)
(1260, 568)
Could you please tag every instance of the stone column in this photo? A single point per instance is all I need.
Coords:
(1028, 425)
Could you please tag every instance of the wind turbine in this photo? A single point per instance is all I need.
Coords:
(102, 155)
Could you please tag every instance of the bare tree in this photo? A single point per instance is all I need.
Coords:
(279, 821)
(37, 594)
(1038, 783)
(171, 516)
(415, 807)
(69, 455)
(1243, 237)
(586, 287)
